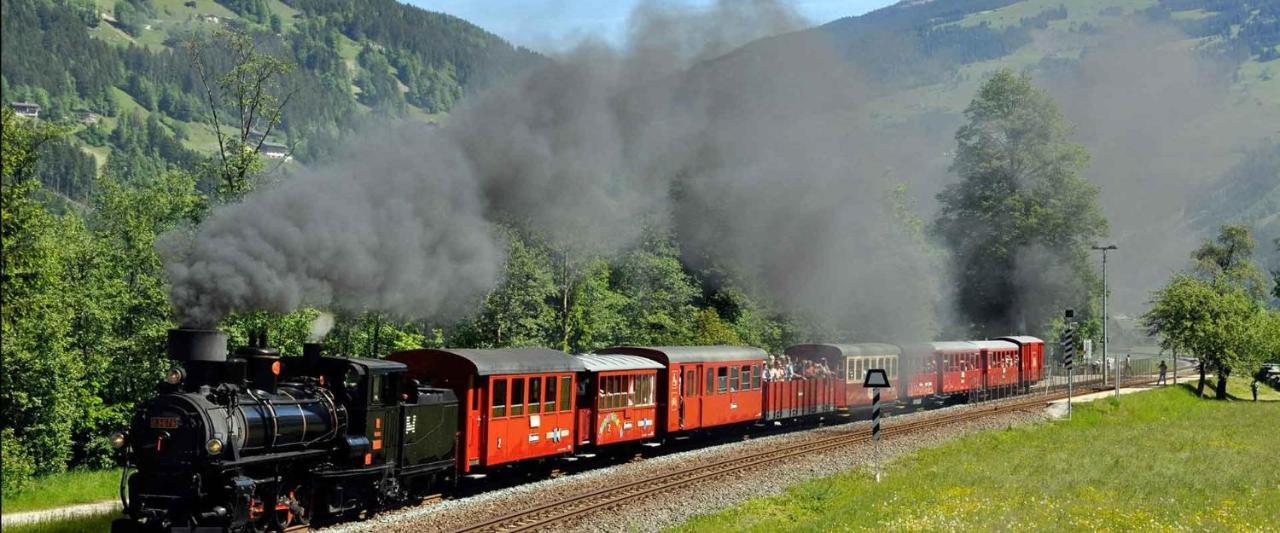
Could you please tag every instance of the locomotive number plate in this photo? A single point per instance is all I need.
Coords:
(164, 422)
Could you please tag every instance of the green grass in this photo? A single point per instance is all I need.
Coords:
(70, 525)
(67, 488)
(1158, 460)
(1238, 389)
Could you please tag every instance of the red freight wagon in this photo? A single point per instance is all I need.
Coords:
(704, 386)
(851, 362)
(1032, 357)
(1001, 363)
(516, 403)
(617, 399)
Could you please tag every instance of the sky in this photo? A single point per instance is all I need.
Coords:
(554, 25)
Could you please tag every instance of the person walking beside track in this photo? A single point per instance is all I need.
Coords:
(1163, 369)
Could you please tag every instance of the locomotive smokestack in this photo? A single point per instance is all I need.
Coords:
(203, 345)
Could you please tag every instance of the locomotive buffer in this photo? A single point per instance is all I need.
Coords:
(875, 380)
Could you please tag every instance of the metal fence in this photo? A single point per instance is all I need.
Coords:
(1090, 376)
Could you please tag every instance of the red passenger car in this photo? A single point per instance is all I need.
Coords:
(851, 362)
(516, 403)
(1001, 364)
(958, 365)
(704, 386)
(617, 399)
(1031, 352)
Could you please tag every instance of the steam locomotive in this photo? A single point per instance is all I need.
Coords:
(256, 442)
(250, 441)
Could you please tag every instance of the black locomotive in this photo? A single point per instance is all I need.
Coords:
(252, 441)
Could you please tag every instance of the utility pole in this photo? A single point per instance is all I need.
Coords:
(1106, 346)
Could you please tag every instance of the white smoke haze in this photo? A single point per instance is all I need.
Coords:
(320, 327)
(1149, 108)
(762, 162)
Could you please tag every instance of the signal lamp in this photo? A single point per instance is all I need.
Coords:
(214, 446)
(174, 376)
(118, 440)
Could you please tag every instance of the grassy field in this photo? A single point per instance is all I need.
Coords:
(68, 488)
(1159, 460)
(74, 525)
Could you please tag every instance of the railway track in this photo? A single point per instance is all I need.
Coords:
(557, 511)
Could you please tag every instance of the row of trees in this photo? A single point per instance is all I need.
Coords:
(1216, 311)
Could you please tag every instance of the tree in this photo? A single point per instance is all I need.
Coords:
(1218, 323)
(40, 373)
(658, 291)
(518, 311)
(1021, 217)
(254, 89)
(1228, 259)
(595, 319)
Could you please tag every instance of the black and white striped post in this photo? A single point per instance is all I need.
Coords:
(875, 380)
(1068, 353)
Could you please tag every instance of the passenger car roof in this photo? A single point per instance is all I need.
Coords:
(996, 345)
(842, 350)
(610, 362)
(1022, 339)
(503, 360)
(690, 354)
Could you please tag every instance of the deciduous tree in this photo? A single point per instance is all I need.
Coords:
(253, 88)
(1216, 322)
(1228, 259)
(1019, 222)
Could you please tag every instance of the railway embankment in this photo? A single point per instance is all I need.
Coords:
(1162, 459)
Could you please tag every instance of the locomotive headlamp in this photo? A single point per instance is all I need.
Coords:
(174, 376)
(214, 446)
(118, 440)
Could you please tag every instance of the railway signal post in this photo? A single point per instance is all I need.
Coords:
(1068, 354)
(875, 380)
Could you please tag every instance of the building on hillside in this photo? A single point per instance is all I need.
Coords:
(86, 117)
(26, 109)
(210, 18)
(275, 151)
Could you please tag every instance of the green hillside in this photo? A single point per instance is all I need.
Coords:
(91, 63)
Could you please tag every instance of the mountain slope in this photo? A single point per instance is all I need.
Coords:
(99, 62)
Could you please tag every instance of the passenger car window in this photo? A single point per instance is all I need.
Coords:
(722, 379)
(733, 378)
(499, 397)
(566, 388)
(535, 395)
(517, 396)
(711, 380)
(691, 383)
(755, 376)
(549, 398)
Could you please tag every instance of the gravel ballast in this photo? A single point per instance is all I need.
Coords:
(655, 512)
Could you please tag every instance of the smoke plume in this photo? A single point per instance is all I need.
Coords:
(762, 159)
